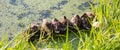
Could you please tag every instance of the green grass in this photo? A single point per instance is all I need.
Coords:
(106, 37)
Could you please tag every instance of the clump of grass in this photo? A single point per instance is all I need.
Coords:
(106, 37)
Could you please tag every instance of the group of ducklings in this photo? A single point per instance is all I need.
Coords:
(85, 21)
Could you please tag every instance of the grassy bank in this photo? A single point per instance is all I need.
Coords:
(106, 37)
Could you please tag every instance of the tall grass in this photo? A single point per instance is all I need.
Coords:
(106, 37)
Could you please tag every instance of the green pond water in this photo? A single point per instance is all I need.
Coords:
(16, 15)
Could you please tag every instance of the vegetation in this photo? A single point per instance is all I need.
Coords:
(106, 37)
